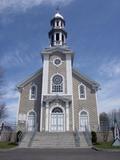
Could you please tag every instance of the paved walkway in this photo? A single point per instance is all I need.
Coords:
(58, 154)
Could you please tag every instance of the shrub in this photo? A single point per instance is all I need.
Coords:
(94, 137)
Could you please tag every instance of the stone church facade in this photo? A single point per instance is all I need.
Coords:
(57, 98)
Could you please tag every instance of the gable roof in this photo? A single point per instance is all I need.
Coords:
(95, 85)
(29, 79)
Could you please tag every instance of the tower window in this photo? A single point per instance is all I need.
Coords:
(52, 38)
(82, 91)
(57, 36)
(57, 61)
(62, 37)
(57, 23)
(57, 83)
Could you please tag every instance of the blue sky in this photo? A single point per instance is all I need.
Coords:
(93, 28)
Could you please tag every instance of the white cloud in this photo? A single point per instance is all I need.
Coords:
(10, 92)
(108, 104)
(111, 68)
(16, 58)
(11, 100)
(25, 4)
(12, 110)
(109, 96)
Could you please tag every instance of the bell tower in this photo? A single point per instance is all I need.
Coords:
(57, 34)
(57, 86)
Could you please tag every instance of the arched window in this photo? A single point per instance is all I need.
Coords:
(31, 122)
(57, 110)
(82, 91)
(57, 37)
(57, 83)
(33, 92)
(84, 121)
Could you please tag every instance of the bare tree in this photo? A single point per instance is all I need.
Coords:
(1, 82)
(104, 125)
(3, 110)
(114, 115)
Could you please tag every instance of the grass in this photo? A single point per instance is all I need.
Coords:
(106, 145)
(7, 145)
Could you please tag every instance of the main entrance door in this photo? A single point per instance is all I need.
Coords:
(57, 120)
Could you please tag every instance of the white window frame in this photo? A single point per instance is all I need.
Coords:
(52, 83)
(30, 92)
(81, 84)
(51, 109)
(83, 110)
(32, 110)
(57, 65)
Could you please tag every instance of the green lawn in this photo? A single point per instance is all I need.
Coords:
(7, 145)
(106, 145)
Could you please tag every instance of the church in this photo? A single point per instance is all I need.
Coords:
(58, 98)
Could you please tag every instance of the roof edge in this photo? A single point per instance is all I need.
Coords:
(21, 84)
(95, 85)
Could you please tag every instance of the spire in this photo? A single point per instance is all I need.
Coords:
(57, 34)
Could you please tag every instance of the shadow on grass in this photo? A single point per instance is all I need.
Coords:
(7, 145)
(106, 145)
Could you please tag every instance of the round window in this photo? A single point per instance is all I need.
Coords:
(57, 61)
(57, 79)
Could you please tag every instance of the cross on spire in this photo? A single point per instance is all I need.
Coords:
(57, 9)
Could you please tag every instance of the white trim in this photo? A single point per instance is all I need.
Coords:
(41, 117)
(32, 110)
(81, 84)
(33, 85)
(97, 110)
(83, 110)
(18, 108)
(45, 75)
(70, 84)
(57, 65)
(47, 117)
(54, 93)
(67, 116)
(73, 114)
(44, 85)
(50, 112)
(69, 74)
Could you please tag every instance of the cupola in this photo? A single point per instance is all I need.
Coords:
(57, 34)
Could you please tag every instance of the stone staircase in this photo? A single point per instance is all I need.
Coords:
(53, 140)
(83, 141)
(26, 140)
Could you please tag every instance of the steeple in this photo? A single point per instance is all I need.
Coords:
(57, 34)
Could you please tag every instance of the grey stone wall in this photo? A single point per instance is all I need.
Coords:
(26, 105)
(54, 69)
(89, 104)
(100, 136)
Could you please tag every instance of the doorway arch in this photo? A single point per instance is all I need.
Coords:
(31, 121)
(83, 121)
(57, 119)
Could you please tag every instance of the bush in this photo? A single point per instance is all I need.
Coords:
(94, 137)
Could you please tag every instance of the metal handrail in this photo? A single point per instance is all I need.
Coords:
(87, 135)
(33, 135)
(77, 138)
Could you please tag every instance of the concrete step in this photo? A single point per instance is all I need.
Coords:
(53, 140)
(25, 141)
